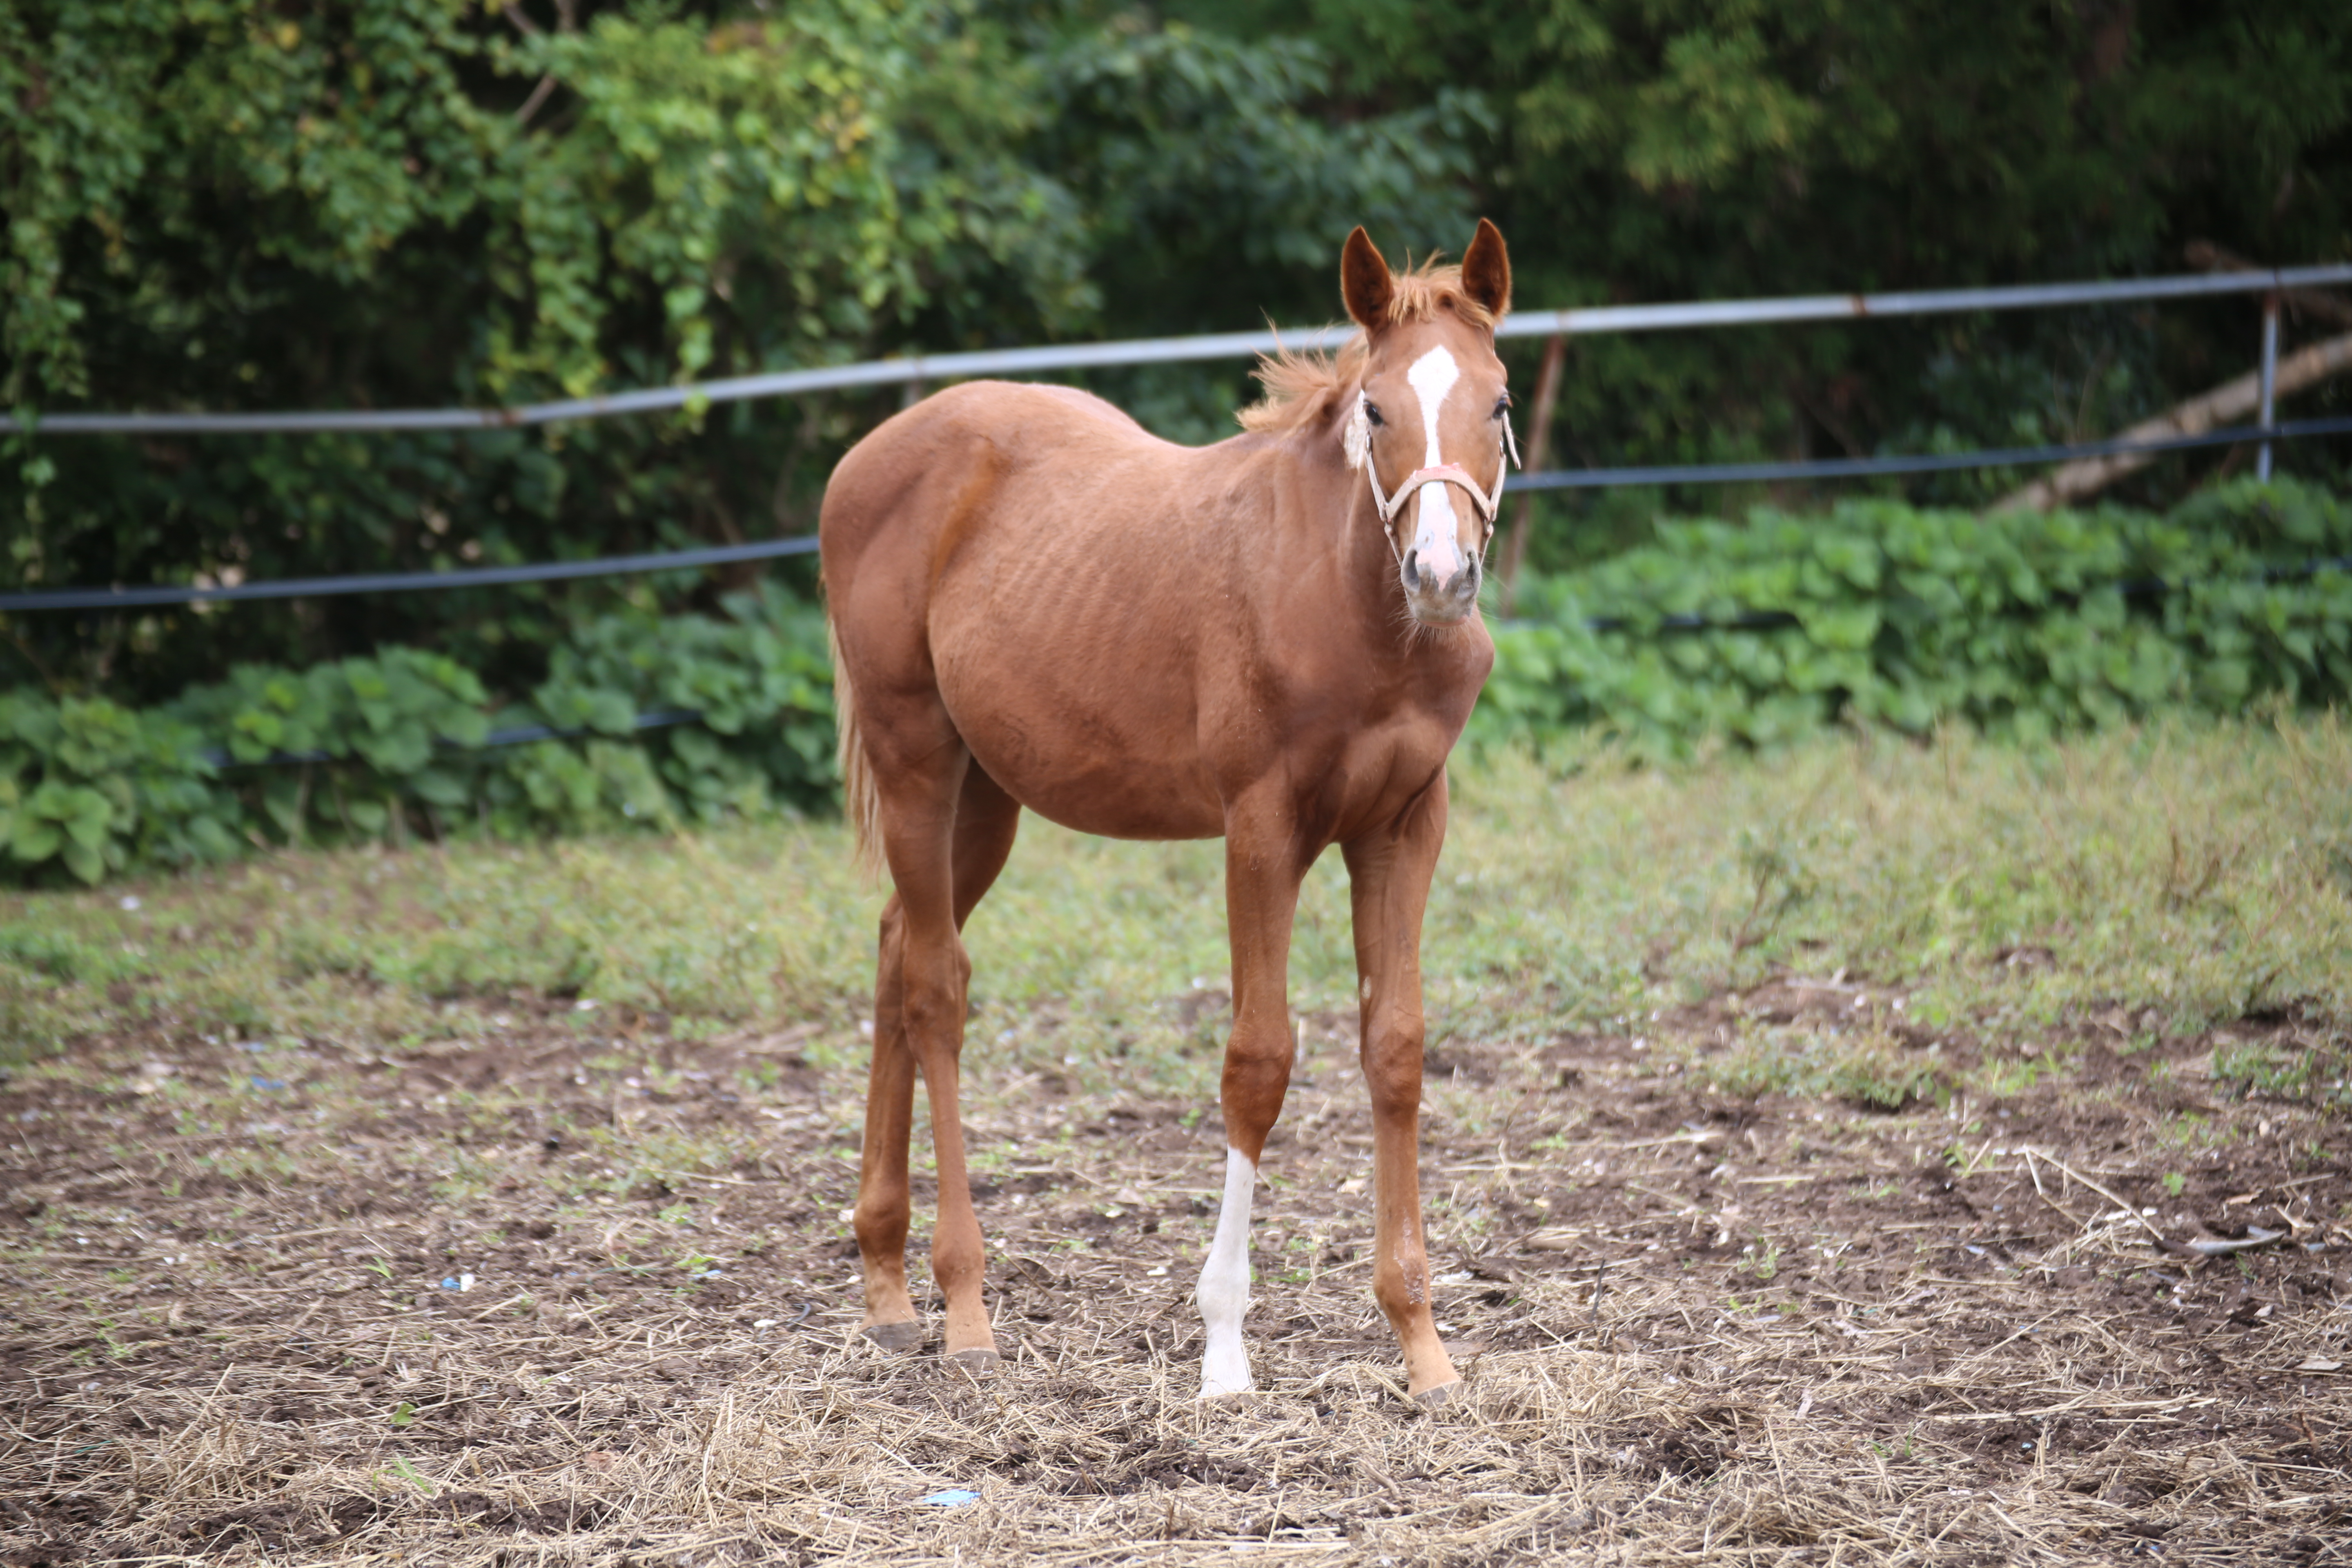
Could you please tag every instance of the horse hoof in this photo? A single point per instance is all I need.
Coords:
(979, 1362)
(1444, 1394)
(895, 1336)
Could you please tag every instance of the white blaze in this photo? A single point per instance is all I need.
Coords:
(1432, 375)
(1436, 536)
(1223, 1294)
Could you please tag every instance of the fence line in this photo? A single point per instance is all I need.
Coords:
(1558, 480)
(1573, 321)
(1918, 463)
(405, 582)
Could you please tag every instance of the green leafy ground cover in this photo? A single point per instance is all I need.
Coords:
(2018, 622)
(2186, 874)
(407, 743)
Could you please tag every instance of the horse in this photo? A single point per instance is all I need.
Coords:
(1035, 603)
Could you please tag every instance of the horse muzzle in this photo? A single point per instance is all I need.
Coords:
(1440, 600)
(1439, 574)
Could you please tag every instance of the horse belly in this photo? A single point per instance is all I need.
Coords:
(1102, 747)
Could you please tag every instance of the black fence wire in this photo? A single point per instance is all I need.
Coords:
(111, 598)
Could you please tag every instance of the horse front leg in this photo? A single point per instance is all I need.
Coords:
(1388, 872)
(1262, 877)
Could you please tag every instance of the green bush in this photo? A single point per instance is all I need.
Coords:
(87, 788)
(377, 748)
(2018, 622)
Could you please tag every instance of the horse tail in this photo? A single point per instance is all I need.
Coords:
(860, 802)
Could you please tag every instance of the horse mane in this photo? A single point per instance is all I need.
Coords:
(1299, 387)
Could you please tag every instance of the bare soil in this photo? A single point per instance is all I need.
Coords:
(1697, 1326)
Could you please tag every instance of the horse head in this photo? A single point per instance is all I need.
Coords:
(1431, 424)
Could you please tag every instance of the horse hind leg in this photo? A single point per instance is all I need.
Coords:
(882, 1188)
(981, 834)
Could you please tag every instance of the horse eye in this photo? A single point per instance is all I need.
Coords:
(1502, 406)
(1372, 412)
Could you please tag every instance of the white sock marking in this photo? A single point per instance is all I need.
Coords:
(1436, 534)
(1223, 1294)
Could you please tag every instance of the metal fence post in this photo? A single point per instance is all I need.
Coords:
(1514, 547)
(2269, 382)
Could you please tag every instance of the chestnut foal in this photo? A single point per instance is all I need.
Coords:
(1273, 640)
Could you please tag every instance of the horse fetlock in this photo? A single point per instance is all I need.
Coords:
(1402, 1289)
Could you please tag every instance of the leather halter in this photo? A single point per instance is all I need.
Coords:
(1489, 507)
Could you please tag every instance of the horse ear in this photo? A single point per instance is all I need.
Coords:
(1486, 270)
(1364, 281)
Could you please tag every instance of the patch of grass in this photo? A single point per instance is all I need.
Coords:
(1868, 1073)
(2317, 1072)
(2003, 1077)
(2193, 871)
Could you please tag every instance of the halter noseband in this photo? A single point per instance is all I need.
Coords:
(1448, 473)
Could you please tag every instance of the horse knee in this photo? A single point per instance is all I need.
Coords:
(1392, 1063)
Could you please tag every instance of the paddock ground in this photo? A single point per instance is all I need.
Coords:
(1770, 1270)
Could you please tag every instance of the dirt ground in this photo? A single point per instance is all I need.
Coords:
(578, 1291)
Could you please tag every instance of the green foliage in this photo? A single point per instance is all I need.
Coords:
(242, 204)
(1714, 149)
(762, 683)
(2018, 622)
(377, 749)
(87, 788)
(1869, 1074)
(656, 171)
